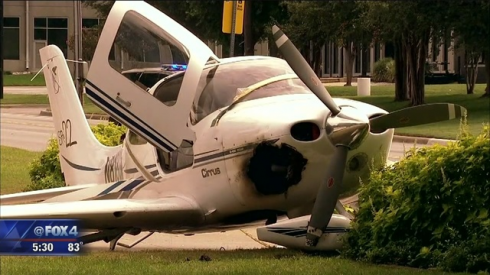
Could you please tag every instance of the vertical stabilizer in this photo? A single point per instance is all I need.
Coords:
(83, 158)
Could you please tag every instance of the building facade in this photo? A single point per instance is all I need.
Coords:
(31, 25)
(442, 59)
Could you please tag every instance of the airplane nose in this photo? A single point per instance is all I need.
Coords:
(348, 128)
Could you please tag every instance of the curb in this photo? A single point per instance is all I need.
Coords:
(7, 106)
(421, 140)
(88, 116)
(396, 138)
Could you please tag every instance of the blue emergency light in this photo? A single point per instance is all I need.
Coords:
(174, 67)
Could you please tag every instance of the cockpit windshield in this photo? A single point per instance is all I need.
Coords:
(220, 84)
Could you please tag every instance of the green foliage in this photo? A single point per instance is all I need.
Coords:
(45, 172)
(384, 70)
(431, 209)
(204, 18)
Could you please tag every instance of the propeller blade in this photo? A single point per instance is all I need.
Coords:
(417, 115)
(327, 196)
(302, 69)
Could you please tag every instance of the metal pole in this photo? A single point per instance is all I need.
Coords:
(77, 30)
(80, 50)
(1, 49)
(233, 23)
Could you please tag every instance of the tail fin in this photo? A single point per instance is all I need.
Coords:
(82, 156)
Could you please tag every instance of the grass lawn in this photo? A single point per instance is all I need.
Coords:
(23, 80)
(263, 261)
(383, 95)
(88, 105)
(14, 175)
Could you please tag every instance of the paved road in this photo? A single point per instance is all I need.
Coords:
(24, 128)
(25, 90)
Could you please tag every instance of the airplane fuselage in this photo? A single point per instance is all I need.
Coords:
(221, 179)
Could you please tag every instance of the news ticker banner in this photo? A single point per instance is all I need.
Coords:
(40, 237)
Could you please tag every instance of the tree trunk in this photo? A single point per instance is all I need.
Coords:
(417, 50)
(471, 62)
(249, 41)
(365, 61)
(401, 93)
(487, 74)
(349, 65)
(273, 50)
(317, 55)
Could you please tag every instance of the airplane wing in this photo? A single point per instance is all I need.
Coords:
(163, 213)
(40, 195)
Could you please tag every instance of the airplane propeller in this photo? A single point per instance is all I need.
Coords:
(346, 128)
(417, 115)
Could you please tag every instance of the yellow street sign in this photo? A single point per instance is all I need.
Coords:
(228, 14)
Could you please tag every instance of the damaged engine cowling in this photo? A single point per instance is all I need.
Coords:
(273, 169)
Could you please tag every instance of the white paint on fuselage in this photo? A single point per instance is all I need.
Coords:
(230, 192)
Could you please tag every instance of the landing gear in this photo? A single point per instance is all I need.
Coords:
(112, 236)
(341, 209)
(137, 241)
(113, 242)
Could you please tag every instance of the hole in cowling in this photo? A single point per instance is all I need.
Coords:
(273, 169)
(305, 131)
(119, 214)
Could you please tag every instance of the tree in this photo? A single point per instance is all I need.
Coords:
(259, 17)
(351, 32)
(204, 18)
(308, 26)
(409, 25)
(472, 33)
(90, 37)
(317, 22)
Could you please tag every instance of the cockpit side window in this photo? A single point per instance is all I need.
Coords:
(220, 84)
(168, 91)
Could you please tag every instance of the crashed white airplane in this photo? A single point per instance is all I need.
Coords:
(220, 145)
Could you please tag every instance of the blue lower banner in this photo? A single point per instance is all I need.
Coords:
(40, 237)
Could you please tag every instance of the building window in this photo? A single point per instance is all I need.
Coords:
(376, 52)
(90, 22)
(52, 30)
(94, 22)
(11, 37)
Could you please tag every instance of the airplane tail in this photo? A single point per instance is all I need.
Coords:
(83, 158)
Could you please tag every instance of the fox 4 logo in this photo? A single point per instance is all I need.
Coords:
(60, 231)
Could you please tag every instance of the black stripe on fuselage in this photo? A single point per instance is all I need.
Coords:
(132, 123)
(232, 151)
(79, 167)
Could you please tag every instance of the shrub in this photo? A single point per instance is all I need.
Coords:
(45, 172)
(431, 209)
(384, 71)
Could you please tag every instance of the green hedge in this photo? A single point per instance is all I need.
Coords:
(384, 70)
(431, 209)
(45, 171)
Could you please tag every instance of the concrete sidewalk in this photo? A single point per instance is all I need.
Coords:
(25, 90)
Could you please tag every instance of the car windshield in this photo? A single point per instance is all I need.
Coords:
(220, 84)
